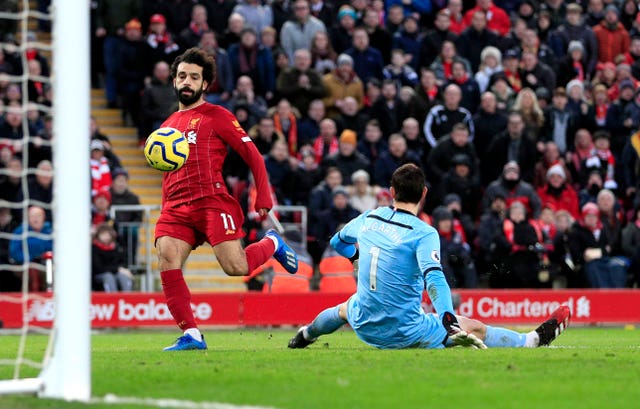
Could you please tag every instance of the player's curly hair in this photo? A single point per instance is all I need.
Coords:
(408, 181)
(198, 57)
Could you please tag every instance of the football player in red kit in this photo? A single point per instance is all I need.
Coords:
(196, 206)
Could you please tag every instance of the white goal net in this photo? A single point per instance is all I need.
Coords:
(63, 371)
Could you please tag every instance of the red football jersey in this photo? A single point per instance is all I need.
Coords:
(210, 129)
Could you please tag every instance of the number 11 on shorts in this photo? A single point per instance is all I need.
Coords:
(227, 222)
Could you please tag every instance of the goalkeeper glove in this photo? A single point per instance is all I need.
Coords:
(458, 336)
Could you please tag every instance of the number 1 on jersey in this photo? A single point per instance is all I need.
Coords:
(373, 269)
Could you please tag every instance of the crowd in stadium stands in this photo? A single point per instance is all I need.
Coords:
(524, 115)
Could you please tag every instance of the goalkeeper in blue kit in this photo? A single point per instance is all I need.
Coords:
(397, 255)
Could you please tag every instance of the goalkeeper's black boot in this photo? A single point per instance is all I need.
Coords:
(299, 341)
(554, 325)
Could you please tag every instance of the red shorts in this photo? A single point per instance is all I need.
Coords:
(213, 220)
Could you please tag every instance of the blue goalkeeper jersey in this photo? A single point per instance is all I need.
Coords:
(398, 254)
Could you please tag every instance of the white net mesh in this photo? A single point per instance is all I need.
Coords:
(25, 142)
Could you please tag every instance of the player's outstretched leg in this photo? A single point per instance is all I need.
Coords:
(326, 322)
(299, 341)
(187, 342)
(557, 322)
(284, 254)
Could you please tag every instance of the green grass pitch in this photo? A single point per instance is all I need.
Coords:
(585, 368)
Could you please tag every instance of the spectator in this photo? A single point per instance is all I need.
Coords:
(389, 109)
(324, 11)
(332, 219)
(592, 186)
(107, 271)
(110, 21)
(439, 159)
(631, 167)
(399, 70)
(459, 181)
(490, 64)
(531, 42)
(415, 141)
(581, 108)
(367, 61)
(557, 194)
(631, 244)
(616, 123)
(601, 105)
(390, 160)
(220, 89)
(526, 104)
(160, 41)
(433, 39)
(11, 185)
(39, 241)
(488, 122)
(590, 251)
(575, 29)
(379, 37)
(306, 176)
(603, 159)
(285, 120)
(253, 60)
(127, 222)
(350, 117)
(497, 19)
(442, 117)
(573, 65)
(489, 228)
(550, 157)
(521, 241)
(96, 134)
(100, 170)
(300, 84)
(612, 217)
(232, 33)
(157, 101)
(327, 142)
(219, 12)
(347, 159)
(255, 15)
(298, 32)
(280, 170)
(595, 12)
(457, 263)
(133, 67)
(469, 87)
(100, 211)
(244, 94)
(510, 186)
(372, 145)
(190, 36)
(265, 134)
(408, 40)
(476, 37)
(559, 125)
(9, 280)
(613, 39)
(535, 74)
(40, 188)
(320, 199)
(12, 130)
(309, 126)
(362, 195)
(39, 148)
(443, 63)
(341, 34)
(323, 56)
(341, 83)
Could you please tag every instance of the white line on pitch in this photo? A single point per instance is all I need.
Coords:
(171, 403)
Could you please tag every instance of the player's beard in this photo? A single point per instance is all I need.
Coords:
(188, 100)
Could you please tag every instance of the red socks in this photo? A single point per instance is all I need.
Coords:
(178, 298)
(258, 253)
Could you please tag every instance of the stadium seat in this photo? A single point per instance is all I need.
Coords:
(283, 282)
(336, 275)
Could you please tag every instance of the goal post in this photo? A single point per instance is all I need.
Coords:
(66, 374)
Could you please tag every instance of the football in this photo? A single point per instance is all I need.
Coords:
(166, 149)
